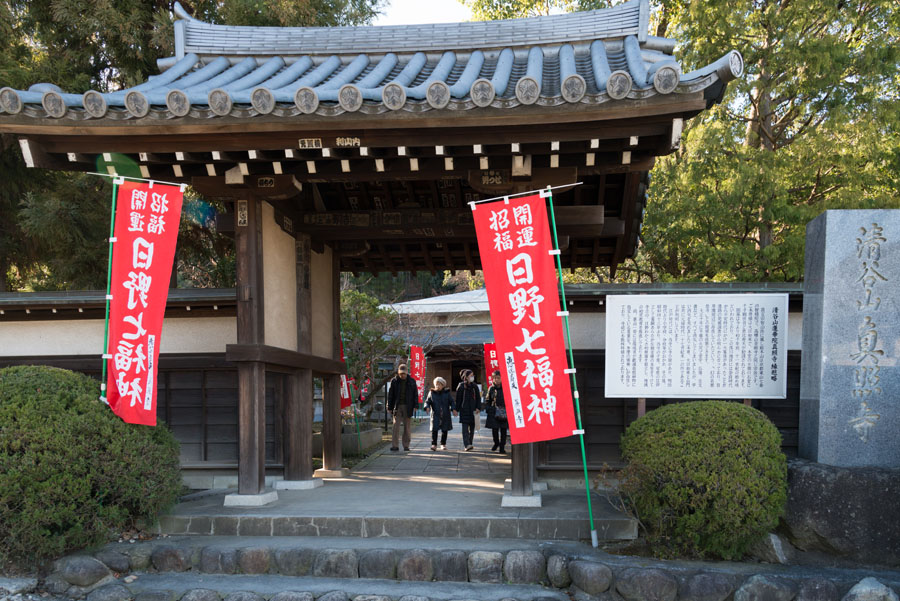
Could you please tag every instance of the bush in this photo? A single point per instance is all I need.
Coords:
(706, 479)
(71, 472)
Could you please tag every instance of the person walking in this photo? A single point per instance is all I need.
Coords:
(495, 409)
(439, 403)
(468, 405)
(403, 397)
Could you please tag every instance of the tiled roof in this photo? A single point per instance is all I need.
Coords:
(578, 58)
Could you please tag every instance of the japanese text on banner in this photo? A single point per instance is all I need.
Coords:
(417, 368)
(491, 360)
(146, 229)
(514, 243)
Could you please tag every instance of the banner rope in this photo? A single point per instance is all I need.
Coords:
(138, 179)
(542, 191)
(565, 315)
(112, 228)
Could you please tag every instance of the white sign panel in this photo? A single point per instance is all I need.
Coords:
(705, 346)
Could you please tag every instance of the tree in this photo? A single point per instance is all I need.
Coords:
(370, 334)
(813, 125)
(487, 10)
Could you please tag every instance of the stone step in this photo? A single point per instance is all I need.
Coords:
(173, 587)
(322, 512)
(445, 560)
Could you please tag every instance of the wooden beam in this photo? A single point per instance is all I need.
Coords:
(270, 132)
(275, 356)
(428, 262)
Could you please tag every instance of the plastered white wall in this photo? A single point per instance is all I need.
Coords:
(279, 282)
(85, 337)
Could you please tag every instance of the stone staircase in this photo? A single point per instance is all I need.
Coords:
(290, 568)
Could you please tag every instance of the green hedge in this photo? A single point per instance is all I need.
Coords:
(71, 472)
(706, 479)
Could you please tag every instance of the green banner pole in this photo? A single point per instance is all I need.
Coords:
(112, 231)
(355, 415)
(565, 313)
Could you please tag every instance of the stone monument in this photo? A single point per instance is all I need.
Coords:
(850, 381)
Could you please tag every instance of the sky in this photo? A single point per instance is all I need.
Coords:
(412, 12)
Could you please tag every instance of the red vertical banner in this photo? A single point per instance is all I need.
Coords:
(417, 368)
(491, 362)
(346, 397)
(515, 246)
(146, 230)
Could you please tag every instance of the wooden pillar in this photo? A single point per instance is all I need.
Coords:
(250, 330)
(522, 484)
(332, 458)
(298, 410)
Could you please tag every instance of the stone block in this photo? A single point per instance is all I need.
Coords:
(243, 596)
(707, 587)
(485, 566)
(590, 576)
(558, 571)
(852, 512)
(115, 561)
(218, 560)
(254, 560)
(201, 594)
(773, 549)
(336, 563)
(255, 526)
(169, 558)
(372, 598)
(870, 589)
(763, 587)
(415, 565)
(817, 589)
(82, 570)
(260, 500)
(848, 411)
(334, 596)
(225, 526)
(295, 562)
(525, 567)
(138, 556)
(378, 563)
(293, 596)
(451, 566)
(640, 584)
(155, 596)
(110, 592)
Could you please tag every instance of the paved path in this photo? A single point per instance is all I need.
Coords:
(453, 462)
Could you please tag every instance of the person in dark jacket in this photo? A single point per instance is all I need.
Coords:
(439, 403)
(402, 400)
(495, 408)
(468, 404)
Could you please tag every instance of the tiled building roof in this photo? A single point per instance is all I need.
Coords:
(591, 58)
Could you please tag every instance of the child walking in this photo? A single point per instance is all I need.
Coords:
(439, 403)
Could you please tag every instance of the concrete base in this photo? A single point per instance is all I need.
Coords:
(535, 486)
(323, 473)
(236, 500)
(298, 484)
(517, 501)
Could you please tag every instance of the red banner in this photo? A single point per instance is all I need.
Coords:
(346, 397)
(519, 274)
(146, 229)
(491, 362)
(417, 368)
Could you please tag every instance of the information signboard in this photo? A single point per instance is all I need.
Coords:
(710, 346)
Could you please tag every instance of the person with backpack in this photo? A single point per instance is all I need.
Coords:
(495, 408)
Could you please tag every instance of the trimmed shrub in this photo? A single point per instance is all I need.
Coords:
(71, 472)
(706, 479)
